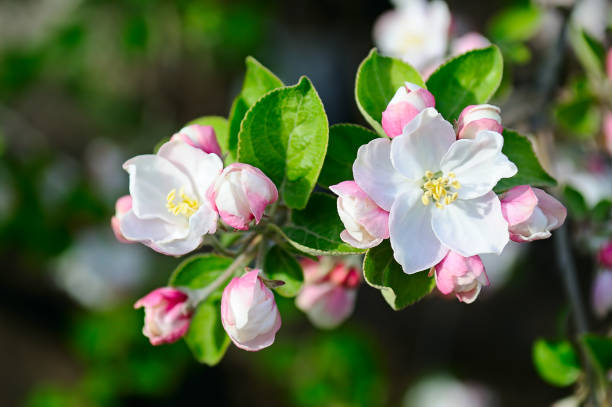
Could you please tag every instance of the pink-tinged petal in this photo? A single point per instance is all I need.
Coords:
(469, 296)
(475, 118)
(554, 210)
(159, 295)
(471, 129)
(362, 243)
(376, 222)
(326, 305)
(609, 64)
(201, 137)
(116, 226)
(123, 205)
(260, 190)
(426, 97)
(396, 116)
(167, 315)
(348, 188)
(311, 293)
(607, 130)
(518, 204)
(468, 42)
(463, 276)
(237, 222)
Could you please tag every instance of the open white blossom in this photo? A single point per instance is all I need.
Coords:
(437, 189)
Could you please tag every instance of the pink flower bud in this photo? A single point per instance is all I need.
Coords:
(366, 223)
(241, 194)
(328, 295)
(167, 315)
(531, 213)
(602, 293)
(607, 131)
(202, 137)
(123, 206)
(408, 101)
(463, 276)
(249, 313)
(605, 255)
(478, 117)
(468, 42)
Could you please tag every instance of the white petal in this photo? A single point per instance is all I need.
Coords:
(151, 179)
(478, 163)
(472, 226)
(201, 167)
(422, 145)
(149, 230)
(415, 246)
(374, 173)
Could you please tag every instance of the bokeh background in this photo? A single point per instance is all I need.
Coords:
(86, 84)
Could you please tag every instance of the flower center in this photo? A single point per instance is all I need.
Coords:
(185, 207)
(442, 190)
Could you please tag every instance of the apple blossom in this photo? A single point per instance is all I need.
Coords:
(605, 255)
(198, 136)
(249, 313)
(408, 101)
(416, 31)
(366, 223)
(122, 206)
(531, 213)
(329, 291)
(607, 131)
(461, 275)
(602, 293)
(241, 194)
(170, 212)
(475, 118)
(438, 190)
(468, 42)
(167, 315)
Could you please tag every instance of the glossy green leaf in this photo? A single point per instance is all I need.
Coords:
(590, 52)
(575, 202)
(518, 23)
(601, 211)
(556, 362)
(221, 126)
(258, 81)
(599, 350)
(580, 116)
(469, 79)
(378, 78)
(285, 135)
(199, 271)
(344, 141)
(398, 288)
(519, 150)
(281, 265)
(206, 337)
(316, 229)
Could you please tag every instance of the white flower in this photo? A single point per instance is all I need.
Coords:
(170, 212)
(417, 32)
(437, 189)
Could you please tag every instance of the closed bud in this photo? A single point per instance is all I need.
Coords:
(366, 223)
(406, 104)
(241, 194)
(475, 118)
(167, 315)
(605, 255)
(463, 276)
(249, 313)
(202, 137)
(531, 213)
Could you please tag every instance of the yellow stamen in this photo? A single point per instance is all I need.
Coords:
(185, 207)
(440, 189)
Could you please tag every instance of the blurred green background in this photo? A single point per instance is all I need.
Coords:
(84, 85)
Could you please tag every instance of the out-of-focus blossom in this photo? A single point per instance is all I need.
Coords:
(249, 313)
(607, 131)
(438, 190)
(406, 104)
(531, 213)
(241, 193)
(590, 176)
(416, 31)
(167, 315)
(463, 276)
(123, 206)
(202, 137)
(170, 212)
(602, 293)
(446, 391)
(609, 64)
(605, 255)
(366, 223)
(592, 16)
(475, 118)
(329, 291)
(468, 42)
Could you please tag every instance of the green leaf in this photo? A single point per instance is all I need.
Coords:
(344, 141)
(469, 79)
(590, 52)
(575, 202)
(398, 288)
(285, 135)
(206, 337)
(378, 78)
(221, 127)
(316, 229)
(258, 81)
(199, 271)
(281, 265)
(599, 350)
(556, 362)
(581, 116)
(601, 211)
(519, 150)
(518, 23)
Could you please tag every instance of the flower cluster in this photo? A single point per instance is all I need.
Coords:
(429, 189)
